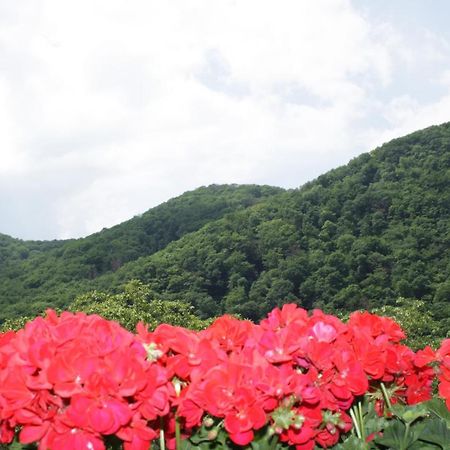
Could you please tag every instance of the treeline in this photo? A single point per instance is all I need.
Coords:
(359, 236)
(35, 274)
(136, 303)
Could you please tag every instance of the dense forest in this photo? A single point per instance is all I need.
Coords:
(359, 236)
(36, 274)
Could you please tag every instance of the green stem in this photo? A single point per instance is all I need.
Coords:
(273, 442)
(386, 396)
(162, 440)
(405, 436)
(355, 422)
(177, 433)
(361, 422)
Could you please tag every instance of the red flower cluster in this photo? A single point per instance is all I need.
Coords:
(70, 381)
(295, 372)
(443, 356)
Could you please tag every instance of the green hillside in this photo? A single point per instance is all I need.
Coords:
(36, 274)
(361, 235)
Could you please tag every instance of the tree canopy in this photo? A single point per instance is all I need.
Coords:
(359, 236)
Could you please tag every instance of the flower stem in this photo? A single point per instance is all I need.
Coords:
(162, 440)
(273, 442)
(177, 433)
(386, 396)
(355, 422)
(405, 436)
(361, 422)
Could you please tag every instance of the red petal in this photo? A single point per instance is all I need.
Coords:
(242, 438)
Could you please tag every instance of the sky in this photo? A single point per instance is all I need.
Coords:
(110, 108)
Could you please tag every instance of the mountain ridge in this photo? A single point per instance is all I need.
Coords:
(110, 248)
(359, 235)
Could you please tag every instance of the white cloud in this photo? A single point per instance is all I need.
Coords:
(115, 108)
(444, 78)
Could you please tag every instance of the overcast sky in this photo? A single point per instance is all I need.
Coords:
(108, 108)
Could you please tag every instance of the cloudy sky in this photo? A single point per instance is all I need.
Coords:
(108, 108)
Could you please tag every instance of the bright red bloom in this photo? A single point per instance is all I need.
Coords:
(303, 435)
(71, 380)
(419, 388)
(75, 439)
(230, 333)
(225, 386)
(334, 425)
(103, 415)
(444, 390)
(280, 346)
(191, 355)
(424, 357)
(350, 373)
(364, 323)
(6, 349)
(281, 318)
(136, 435)
(443, 355)
(6, 433)
(243, 419)
(324, 332)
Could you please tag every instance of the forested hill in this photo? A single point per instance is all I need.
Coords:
(36, 274)
(358, 236)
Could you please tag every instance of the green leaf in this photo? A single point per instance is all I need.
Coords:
(438, 408)
(204, 445)
(437, 432)
(198, 437)
(15, 445)
(352, 443)
(410, 414)
(420, 445)
(396, 436)
(373, 423)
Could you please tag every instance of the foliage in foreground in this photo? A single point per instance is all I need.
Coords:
(136, 303)
(416, 319)
(295, 380)
(424, 426)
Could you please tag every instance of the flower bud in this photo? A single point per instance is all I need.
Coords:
(177, 386)
(153, 353)
(212, 434)
(208, 422)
